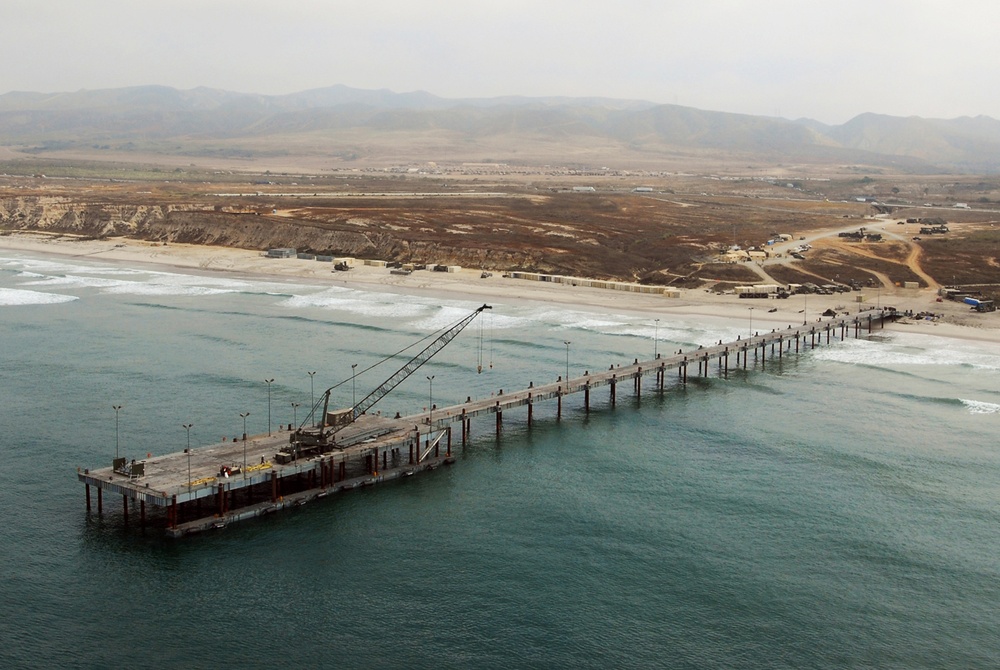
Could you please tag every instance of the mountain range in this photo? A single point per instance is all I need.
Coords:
(368, 124)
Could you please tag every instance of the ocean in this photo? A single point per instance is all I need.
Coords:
(836, 510)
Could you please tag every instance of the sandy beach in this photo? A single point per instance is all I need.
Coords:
(955, 320)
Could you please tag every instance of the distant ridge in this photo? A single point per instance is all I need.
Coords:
(135, 118)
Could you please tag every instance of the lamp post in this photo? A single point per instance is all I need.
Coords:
(805, 309)
(312, 395)
(430, 404)
(567, 343)
(354, 396)
(295, 417)
(751, 321)
(244, 416)
(187, 427)
(268, 382)
(656, 336)
(116, 408)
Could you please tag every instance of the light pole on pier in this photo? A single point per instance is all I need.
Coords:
(312, 395)
(354, 395)
(656, 336)
(430, 404)
(244, 416)
(187, 427)
(268, 382)
(805, 309)
(295, 415)
(751, 321)
(116, 408)
(567, 343)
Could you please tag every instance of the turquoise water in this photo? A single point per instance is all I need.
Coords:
(837, 510)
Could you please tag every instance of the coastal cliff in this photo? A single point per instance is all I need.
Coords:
(243, 230)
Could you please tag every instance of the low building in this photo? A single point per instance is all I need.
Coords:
(281, 252)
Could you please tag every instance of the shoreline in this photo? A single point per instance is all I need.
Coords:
(957, 322)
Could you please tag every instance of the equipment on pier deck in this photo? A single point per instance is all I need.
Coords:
(321, 439)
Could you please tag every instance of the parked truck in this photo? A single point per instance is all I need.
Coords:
(980, 305)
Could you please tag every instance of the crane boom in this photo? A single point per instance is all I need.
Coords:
(302, 440)
(413, 364)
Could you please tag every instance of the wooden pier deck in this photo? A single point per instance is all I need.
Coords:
(727, 356)
(214, 485)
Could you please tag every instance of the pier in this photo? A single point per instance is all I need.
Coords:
(210, 487)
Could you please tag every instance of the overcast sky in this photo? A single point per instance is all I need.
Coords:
(827, 60)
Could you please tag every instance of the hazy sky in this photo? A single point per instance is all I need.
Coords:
(828, 60)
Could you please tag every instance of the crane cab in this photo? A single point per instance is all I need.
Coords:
(340, 417)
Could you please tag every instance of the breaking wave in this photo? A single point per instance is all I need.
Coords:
(10, 297)
(979, 407)
(901, 352)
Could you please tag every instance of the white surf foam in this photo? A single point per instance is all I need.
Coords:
(500, 321)
(978, 407)
(355, 302)
(10, 297)
(157, 284)
(140, 288)
(668, 330)
(50, 267)
(124, 280)
(72, 281)
(905, 351)
(442, 317)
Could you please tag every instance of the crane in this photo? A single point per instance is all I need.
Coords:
(332, 422)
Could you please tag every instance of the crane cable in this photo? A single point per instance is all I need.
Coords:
(479, 353)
